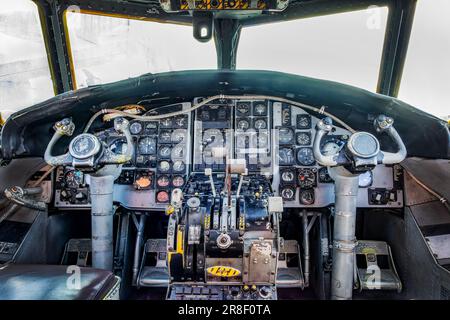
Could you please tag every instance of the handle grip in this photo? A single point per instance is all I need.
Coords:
(65, 127)
(385, 124)
(324, 127)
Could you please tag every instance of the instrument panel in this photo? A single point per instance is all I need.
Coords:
(275, 139)
(162, 153)
(212, 132)
(253, 134)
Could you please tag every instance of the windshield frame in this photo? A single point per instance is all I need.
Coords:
(227, 30)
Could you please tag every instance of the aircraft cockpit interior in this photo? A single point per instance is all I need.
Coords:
(224, 184)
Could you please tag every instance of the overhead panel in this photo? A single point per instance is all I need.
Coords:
(219, 5)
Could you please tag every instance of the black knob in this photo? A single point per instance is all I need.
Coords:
(265, 292)
(234, 291)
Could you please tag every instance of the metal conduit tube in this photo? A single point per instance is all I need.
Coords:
(137, 248)
(101, 189)
(344, 242)
(306, 262)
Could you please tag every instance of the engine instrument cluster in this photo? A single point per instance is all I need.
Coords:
(162, 156)
(252, 138)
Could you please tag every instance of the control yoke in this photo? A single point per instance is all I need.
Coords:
(86, 150)
(362, 151)
(360, 154)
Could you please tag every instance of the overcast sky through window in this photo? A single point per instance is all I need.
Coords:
(344, 47)
(426, 77)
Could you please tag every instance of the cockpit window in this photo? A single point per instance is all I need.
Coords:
(107, 49)
(25, 77)
(345, 47)
(426, 76)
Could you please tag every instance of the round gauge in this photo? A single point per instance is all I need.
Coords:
(260, 109)
(165, 137)
(287, 193)
(178, 151)
(243, 108)
(213, 135)
(178, 135)
(119, 146)
(163, 181)
(164, 166)
(306, 178)
(147, 145)
(305, 156)
(142, 181)
(260, 124)
(243, 124)
(181, 122)
(285, 156)
(136, 127)
(288, 176)
(285, 135)
(363, 144)
(162, 197)
(177, 181)
(164, 151)
(365, 179)
(303, 138)
(324, 176)
(84, 146)
(178, 166)
(330, 148)
(303, 121)
(307, 197)
(166, 123)
(73, 178)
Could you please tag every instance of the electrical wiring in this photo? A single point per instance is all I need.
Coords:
(216, 97)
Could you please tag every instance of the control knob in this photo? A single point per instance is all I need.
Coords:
(265, 292)
(235, 291)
